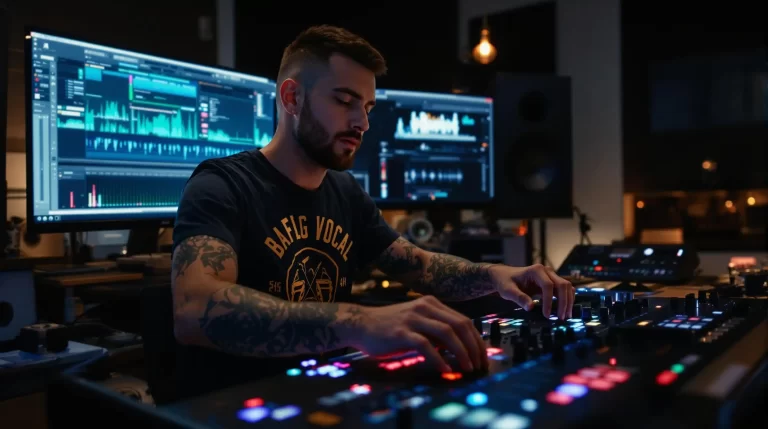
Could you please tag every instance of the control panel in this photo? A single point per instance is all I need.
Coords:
(666, 264)
(613, 364)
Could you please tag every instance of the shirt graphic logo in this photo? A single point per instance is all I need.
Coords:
(312, 276)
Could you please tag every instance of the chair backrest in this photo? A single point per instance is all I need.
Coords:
(159, 342)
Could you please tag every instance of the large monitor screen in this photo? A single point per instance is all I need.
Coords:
(427, 148)
(114, 135)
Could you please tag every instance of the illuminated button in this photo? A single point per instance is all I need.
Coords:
(677, 368)
(322, 418)
(311, 373)
(697, 326)
(286, 412)
(309, 362)
(478, 418)
(361, 389)
(452, 376)
(448, 412)
(707, 319)
(477, 399)
(589, 373)
(558, 398)
(329, 401)
(252, 415)
(616, 376)
(676, 320)
(342, 365)
(325, 369)
(510, 421)
(529, 405)
(684, 325)
(643, 323)
(670, 325)
(337, 374)
(490, 351)
(293, 372)
(693, 319)
(600, 384)
(575, 379)
(254, 402)
(379, 416)
(572, 390)
(666, 378)
(595, 323)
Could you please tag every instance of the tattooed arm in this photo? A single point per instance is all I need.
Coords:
(211, 310)
(447, 277)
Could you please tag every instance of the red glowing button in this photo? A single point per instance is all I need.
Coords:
(575, 379)
(254, 402)
(600, 384)
(665, 378)
(361, 389)
(612, 361)
(492, 351)
(452, 376)
(589, 373)
(616, 376)
(559, 398)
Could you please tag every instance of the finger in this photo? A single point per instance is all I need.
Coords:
(573, 298)
(483, 351)
(462, 326)
(431, 356)
(445, 334)
(543, 281)
(564, 291)
(510, 291)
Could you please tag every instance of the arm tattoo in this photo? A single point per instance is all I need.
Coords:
(453, 278)
(242, 321)
(401, 260)
(211, 252)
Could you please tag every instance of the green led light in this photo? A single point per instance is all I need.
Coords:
(677, 368)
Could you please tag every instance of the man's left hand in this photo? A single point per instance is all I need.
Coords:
(519, 284)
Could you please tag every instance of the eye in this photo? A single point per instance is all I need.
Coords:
(340, 101)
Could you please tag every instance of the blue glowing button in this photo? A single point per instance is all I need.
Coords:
(572, 390)
(510, 421)
(286, 412)
(337, 374)
(478, 418)
(477, 399)
(529, 405)
(448, 412)
(252, 415)
(293, 372)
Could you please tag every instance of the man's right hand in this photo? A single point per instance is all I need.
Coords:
(416, 325)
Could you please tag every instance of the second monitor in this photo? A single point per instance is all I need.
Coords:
(427, 148)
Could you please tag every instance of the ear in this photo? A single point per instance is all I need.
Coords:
(289, 96)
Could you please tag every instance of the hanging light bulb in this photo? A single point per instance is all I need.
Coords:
(484, 52)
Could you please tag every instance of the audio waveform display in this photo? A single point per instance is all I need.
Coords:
(436, 176)
(163, 123)
(155, 151)
(428, 126)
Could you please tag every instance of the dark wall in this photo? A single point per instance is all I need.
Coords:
(656, 33)
(153, 27)
(418, 38)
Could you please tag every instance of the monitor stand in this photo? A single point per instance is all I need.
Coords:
(143, 241)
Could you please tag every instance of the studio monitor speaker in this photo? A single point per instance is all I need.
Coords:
(533, 152)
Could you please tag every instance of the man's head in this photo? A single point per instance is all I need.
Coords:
(327, 87)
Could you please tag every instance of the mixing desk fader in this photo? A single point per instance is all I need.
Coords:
(637, 363)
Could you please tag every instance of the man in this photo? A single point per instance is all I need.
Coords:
(266, 241)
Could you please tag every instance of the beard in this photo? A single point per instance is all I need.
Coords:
(317, 143)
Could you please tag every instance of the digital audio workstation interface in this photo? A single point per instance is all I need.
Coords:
(424, 147)
(116, 134)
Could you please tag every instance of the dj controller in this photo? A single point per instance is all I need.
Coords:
(677, 362)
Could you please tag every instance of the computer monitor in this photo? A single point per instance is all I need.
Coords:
(113, 135)
(426, 149)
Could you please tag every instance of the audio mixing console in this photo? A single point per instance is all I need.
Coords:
(637, 363)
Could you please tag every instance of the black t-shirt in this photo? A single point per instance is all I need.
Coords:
(293, 243)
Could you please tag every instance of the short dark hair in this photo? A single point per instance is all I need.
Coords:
(318, 43)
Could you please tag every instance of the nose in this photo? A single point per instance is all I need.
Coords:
(360, 122)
